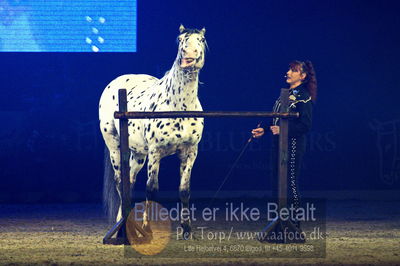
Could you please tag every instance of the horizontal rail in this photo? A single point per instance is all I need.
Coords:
(141, 115)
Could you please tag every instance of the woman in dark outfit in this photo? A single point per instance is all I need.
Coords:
(302, 93)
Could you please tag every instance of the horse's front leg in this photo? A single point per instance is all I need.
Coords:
(187, 156)
(153, 166)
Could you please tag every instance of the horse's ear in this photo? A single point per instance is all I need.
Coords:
(203, 31)
(181, 28)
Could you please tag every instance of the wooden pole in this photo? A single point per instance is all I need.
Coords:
(283, 151)
(141, 115)
(120, 227)
(124, 154)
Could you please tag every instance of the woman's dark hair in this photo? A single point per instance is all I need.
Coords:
(311, 80)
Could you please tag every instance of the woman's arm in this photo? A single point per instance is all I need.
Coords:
(301, 125)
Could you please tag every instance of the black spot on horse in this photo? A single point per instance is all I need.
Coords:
(159, 123)
(177, 125)
(193, 124)
(152, 135)
(113, 97)
(194, 131)
(105, 129)
(165, 133)
(161, 127)
(116, 167)
(148, 127)
(178, 135)
(127, 80)
(140, 161)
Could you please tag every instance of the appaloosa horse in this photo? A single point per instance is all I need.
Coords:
(157, 138)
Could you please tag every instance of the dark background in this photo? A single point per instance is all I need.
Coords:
(51, 148)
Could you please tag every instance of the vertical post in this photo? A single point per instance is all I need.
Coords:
(124, 155)
(283, 151)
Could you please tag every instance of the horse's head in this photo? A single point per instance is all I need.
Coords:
(192, 44)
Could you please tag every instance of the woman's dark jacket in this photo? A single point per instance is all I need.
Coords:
(299, 101)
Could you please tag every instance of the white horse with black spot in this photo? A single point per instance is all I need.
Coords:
(156, 138)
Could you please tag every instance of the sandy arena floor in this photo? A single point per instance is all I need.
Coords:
(358, 232)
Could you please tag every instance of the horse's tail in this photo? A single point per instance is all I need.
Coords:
(110, 193)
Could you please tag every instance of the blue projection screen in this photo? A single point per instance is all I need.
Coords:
(68, 26)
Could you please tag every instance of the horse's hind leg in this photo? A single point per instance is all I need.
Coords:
(136, 163)
(187, 156)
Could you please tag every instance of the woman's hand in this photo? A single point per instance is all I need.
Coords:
(274, 130)
(257, 132)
